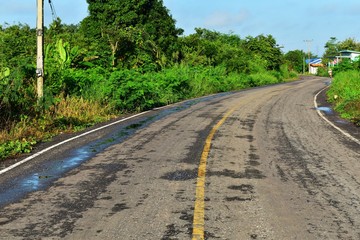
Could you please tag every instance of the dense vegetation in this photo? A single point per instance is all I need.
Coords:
(126, 56)
(344, 91)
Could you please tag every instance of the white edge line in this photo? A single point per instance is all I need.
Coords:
(65, 141)
(333, 125)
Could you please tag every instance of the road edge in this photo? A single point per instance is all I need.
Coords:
(329, 122)
(2, 171)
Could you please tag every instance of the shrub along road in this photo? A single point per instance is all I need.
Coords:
(274, 170)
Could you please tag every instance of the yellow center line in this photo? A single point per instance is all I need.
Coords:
(199, 209)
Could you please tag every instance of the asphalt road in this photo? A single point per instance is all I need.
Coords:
(256, 164)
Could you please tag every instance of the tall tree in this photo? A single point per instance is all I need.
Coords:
(295, 60)
(18, 45)
(115, 22)
(331, 48)
(349, 44)
(267, 48)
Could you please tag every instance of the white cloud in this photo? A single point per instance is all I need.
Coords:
(226, 19)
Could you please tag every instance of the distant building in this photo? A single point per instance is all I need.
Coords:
(314, 64)
(345, 54)
(349, 54)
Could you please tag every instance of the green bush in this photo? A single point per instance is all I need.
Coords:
(17, 96)
(284, 71)
(16, 147)
(173, 84)
(323, 72)
(343, 66)
(345, 94)
(259, 79)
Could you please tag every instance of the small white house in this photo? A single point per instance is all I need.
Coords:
(314, 64)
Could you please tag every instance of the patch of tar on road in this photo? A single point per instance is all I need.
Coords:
(249, 173)
(118, 208)
(181, 175)
(179, 196)
(174, 230)
(237, 198)
(142, 199)
(187, 217)
(244, 188)
(250, 138)
(171, 232)
(189, 174)
(281, 173)
(254, 159)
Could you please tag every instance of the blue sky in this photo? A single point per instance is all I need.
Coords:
(289, 21)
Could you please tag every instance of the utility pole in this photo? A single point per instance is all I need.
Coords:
(308, 43)
(40, 49)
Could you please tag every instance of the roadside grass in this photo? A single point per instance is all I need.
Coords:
(72, 114)
(344, 93)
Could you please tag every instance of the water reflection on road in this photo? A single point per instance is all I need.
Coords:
(40, 177)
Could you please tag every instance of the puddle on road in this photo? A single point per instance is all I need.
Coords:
(328, 83)
(342, 122)
(329, 111)
(50, 171)
(326, 110)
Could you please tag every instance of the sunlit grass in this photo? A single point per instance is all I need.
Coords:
(345, 94)
(71, 114)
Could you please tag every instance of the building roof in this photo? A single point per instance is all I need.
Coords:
(349, 51)
(313, 61)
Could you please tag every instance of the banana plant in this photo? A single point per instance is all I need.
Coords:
(62, 53)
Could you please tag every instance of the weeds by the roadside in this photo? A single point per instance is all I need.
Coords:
(69, 115)
(345, 94)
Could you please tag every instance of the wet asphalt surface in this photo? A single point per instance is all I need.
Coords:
(276, 170)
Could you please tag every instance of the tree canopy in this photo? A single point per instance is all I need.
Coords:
(141, 28)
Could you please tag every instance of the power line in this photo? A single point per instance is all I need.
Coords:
(53, 12)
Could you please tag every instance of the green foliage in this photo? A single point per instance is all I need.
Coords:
(60, 57)
(130, 91)
(4, 72)
(267, 48)
(13, 148)
(343, 66)
(259, 79)
(295, 60)
(349, 44)
(17, 96)
(323, 72)
(252, 55)
(345, 94)
(331, 48)
(108, 22)
(18, 45)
